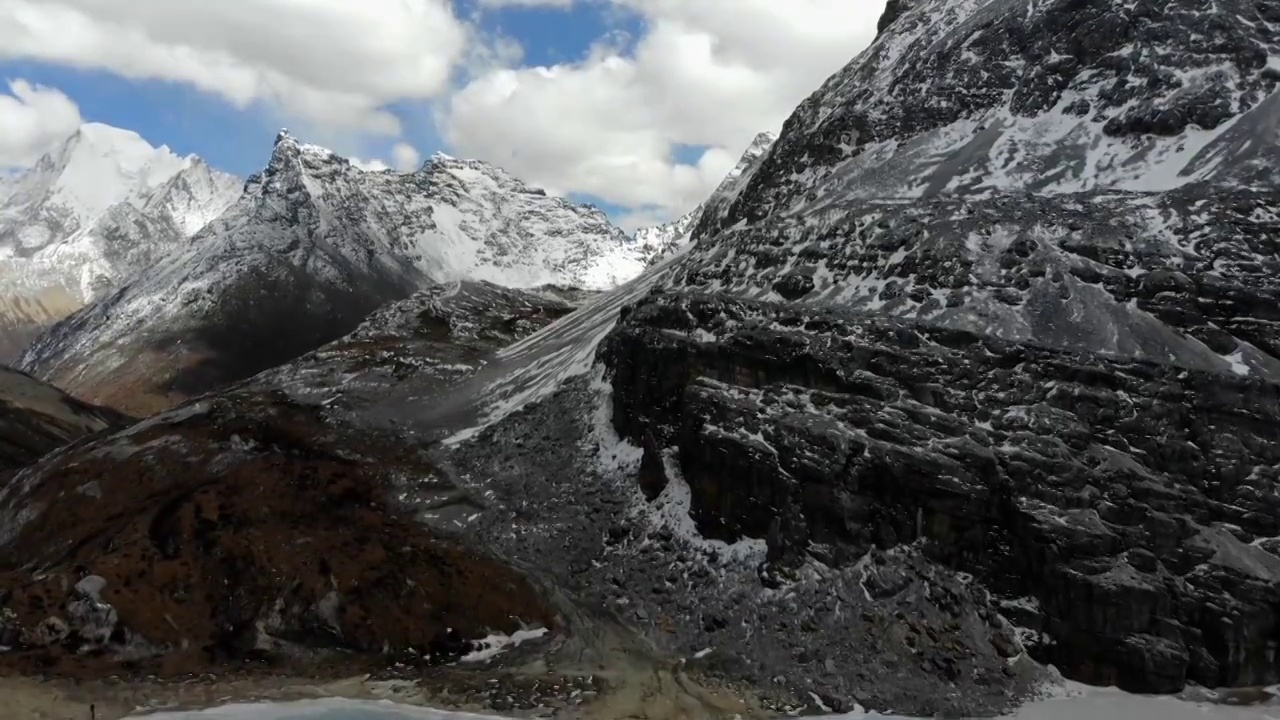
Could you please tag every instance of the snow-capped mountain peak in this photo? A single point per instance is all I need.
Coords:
(97, 167)
(100, 166)
(312, 247)
(193, 197)
(91, 213)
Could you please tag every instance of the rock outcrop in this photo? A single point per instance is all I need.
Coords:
(1003, 291)
(1121, 509)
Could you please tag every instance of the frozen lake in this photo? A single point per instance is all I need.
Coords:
(1075, 703)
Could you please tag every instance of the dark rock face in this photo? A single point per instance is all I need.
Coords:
(893, 631)
(1119, 507)
(1004, 290)
(892, 11)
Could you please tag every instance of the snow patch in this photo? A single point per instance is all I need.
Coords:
(494, 645)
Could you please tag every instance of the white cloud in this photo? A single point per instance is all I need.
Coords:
(525, 3)
(702, 73)
(33, 119)
(334, 63)
(707, 73)
(405, 157)
(374, 165)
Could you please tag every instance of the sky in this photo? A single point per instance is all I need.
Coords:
(639, 106)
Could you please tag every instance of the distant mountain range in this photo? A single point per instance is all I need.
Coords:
(312, 247)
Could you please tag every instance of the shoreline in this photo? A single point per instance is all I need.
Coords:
(653, 695)
(527, 692)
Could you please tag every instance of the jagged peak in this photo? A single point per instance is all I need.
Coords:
(103, 140)
(440, 162)
(288, 150)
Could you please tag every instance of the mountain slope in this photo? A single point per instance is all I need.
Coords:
(909, 413)
(1081, 216)
(36, 418)
(998, 307)
(1003, 291)
(214, 495)
(93, 213)
(975, 98)
(313, 246)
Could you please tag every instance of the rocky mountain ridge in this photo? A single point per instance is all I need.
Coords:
(911, 349)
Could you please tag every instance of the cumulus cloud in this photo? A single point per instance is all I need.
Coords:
(405, 157)
(525, 3)
(33, 119)
(711, 74)
(650, 123)
(335, 63)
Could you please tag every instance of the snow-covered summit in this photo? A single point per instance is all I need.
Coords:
(74, 184)
(93, 212)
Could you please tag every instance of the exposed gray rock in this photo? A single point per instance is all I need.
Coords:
(1121, 497)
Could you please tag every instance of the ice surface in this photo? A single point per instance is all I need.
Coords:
(1075, 702)
(326, 709)
(1081, 702)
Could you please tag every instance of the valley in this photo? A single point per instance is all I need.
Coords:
(966, 382)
